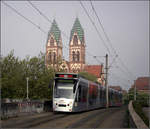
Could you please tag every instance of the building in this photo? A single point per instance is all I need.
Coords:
(54, 46)
(142, 84)
(118, 88)
(77, 48)
(96, 70)
(124, 92)
(76, 61)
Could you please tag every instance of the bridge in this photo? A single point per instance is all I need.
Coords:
(100, 118)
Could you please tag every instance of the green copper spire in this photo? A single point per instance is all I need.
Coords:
(77, 28)
(55, 31)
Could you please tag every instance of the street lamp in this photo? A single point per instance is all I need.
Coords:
(27, 88)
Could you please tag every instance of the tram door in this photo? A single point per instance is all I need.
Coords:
(81, 96)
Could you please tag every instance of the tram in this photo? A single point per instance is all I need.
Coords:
(73, 93)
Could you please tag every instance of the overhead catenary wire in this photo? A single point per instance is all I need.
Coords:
(116, 55)
(113, 61)
(34, 24)
(37, 25)
(42, 14)
(93, 23)
(102, 27)
(109, 41)
(27, 19)
(95, 26)
(120, 80)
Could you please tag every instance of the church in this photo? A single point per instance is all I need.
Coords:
(76, 63)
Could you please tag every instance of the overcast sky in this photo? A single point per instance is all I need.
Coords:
(126, 24)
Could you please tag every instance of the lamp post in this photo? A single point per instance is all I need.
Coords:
(27, 88)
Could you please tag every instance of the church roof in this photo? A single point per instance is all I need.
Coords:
(55, 31)
(77, 28)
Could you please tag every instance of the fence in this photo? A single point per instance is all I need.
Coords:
(12, 109)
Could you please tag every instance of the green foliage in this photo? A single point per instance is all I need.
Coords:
(125, 99)
(15, 71)
(142, 96)
(139, 95)
(138, 109)
(88, 76)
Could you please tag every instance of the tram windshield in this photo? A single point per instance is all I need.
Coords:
(65, 88)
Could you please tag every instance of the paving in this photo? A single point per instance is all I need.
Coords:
(100, 118)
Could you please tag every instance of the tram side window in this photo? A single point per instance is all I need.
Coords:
(81, 93)
(78, 95)
(74, 88)
(109, 95)
(104, 95)
(56, 91)
(101, 93)
(84, 92)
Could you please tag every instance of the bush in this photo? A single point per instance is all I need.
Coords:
(137, 105)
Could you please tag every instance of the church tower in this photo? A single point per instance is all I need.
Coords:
(77, 48)
(54, 46)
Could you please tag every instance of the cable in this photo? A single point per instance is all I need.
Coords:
(108, 37)
(42, 14)
(95, 27)
(129, 72)
(119, 79)
(23, 17)
(37, 25)
(112, 62)
(102, 28)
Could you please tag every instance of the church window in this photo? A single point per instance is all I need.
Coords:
(52, 41)
(73, 56)
(54, 57)
(49, 57)
(75, 40)
(78, 56)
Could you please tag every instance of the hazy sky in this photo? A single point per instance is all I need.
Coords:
(126, 24)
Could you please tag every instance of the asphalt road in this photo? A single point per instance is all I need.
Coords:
(100, 118)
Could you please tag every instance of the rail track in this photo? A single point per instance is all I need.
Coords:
(90, 119)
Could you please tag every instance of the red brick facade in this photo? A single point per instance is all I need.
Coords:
(142, 84)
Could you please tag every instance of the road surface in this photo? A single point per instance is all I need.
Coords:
(100, 118)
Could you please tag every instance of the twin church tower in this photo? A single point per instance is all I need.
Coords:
(54, 45)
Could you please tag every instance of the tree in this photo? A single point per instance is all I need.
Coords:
(11, 76)
(15, 71)
(88, 76)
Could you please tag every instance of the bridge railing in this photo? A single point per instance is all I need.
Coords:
(134, 119)
(13, 109)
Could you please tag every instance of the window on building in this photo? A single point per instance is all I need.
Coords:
(54, 59)
(52, 41)
(75, 40)
(78, 56)
(73, 56)
(49, 57)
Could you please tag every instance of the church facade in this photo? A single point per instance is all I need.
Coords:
(54, 54)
